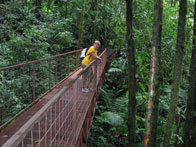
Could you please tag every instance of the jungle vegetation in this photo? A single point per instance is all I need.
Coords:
(149, 93)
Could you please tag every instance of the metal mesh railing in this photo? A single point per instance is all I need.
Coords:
(21, 85)
(59, 122)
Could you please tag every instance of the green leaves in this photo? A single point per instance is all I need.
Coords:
(112, 118)
(115, 70)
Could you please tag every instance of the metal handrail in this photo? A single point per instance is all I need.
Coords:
(39, 60)
(23, 131)
(33, 77)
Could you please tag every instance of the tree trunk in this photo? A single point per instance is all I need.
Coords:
(48, 5)
(38, 4)
(60, 5)
(66, 9)
(94, 7)
(178, 129)
(1, 11)
(131, 78)
(189, 134)
(93, 29)
(179, 56)
(24, 3)
(155, 78)
(80, 39)
(56, 2)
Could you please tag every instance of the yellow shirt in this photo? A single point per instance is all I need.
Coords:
(88, 59)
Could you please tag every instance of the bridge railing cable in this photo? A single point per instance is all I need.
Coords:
(22, 85)
(59, 122)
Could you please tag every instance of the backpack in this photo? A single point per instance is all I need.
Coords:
(83, 53)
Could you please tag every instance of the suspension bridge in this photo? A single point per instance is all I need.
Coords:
(42, 103)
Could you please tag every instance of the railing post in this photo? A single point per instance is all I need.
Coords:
(34, 70)
(49, 74)
(75, 92)
(76, 59)
(56, 67)
(69, 64)
(96, 74)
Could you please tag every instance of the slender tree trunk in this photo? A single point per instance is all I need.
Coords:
(189, 134)
(154, 86)
(59, 4)
(131, 78)
(95, 7)
(1, 11)
(56, 2)
(24, 3)
(66, 9)
(93, 29)
(180, 47)
(48, 5)
(80, 39)
(178, 129)
(38, 5)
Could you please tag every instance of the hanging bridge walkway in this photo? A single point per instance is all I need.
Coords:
(42, 103)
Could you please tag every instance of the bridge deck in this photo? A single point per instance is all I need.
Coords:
(18, 123)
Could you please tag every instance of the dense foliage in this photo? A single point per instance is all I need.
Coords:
(29, 31)
(114, 94)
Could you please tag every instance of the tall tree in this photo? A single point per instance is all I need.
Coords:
(189, 133)
(154, 85)
(131, 74)
(179, 56)
(81, 25)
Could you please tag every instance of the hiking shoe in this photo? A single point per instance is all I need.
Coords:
(85, 90)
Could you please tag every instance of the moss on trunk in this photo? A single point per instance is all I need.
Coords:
(189, 134)
(154, 85)
(179, 56)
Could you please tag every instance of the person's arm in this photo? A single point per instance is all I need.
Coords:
(95, 57)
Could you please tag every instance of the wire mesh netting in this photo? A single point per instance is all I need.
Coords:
(21, 85)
